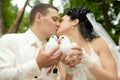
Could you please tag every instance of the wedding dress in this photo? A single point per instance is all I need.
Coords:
(82, 72)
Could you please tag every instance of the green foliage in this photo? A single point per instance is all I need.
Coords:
(109, 1)
(25, 23)
(96, 7)
(9, 14)
(116, 7)
(51, 1)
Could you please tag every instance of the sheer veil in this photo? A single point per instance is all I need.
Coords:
(102, 33)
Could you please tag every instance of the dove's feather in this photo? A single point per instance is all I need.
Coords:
(65, 44)
(52, 43)
(66, 47)
(73, 44)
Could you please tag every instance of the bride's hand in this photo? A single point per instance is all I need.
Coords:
(73, 58)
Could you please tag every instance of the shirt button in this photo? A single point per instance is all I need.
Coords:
(36, 77)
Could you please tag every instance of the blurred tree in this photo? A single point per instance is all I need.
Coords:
(15, 25)
(9, 14)
(24, 25)
(1, 19)
(51, 1)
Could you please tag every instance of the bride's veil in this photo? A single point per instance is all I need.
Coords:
(102, 33)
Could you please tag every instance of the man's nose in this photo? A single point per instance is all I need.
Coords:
(58, 24)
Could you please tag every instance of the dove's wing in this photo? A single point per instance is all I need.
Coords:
(65, 47)
(78, 71)
(65, 44)
(49, 46)
(51, 43)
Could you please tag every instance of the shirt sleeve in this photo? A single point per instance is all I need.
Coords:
(23, 72)
(31, 69)
(8, 69)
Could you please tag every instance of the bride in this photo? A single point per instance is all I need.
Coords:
(101, 59)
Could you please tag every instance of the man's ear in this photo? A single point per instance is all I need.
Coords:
(38, 16)
(75, 22)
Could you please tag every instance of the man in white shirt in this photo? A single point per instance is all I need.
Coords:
(22, 56)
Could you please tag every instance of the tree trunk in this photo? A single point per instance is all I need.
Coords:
(105, 8)
(119, 44)
(15, 25)
(1, 20)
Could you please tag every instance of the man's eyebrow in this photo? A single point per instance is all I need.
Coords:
(55, 17)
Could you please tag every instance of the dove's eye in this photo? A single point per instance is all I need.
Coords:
(62, 37)
(52, 36)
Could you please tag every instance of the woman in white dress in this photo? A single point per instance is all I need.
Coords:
(101, 60)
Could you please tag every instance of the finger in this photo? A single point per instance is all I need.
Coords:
(75, 54)
(63, 57)
(54, 62)
(57, 56)
(75, 58)
(43, 47)
(66, 62)
(53, 51)
(59, 53)
(77, 48)
(75, 63)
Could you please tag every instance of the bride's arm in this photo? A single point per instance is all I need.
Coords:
(108, 71)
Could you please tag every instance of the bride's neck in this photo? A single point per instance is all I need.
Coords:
(78, 38)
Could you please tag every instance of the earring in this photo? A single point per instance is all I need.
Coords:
(73, 28)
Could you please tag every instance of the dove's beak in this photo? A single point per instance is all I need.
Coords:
(58, 42)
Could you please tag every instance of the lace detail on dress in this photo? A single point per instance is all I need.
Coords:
(89, 75)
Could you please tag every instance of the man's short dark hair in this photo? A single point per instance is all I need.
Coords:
(42, 8)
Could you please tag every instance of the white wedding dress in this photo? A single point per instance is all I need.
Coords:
(82, 72)
(94, 56)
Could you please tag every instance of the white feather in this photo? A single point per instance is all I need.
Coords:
(52, 43)
(65, 44)
(66, 47)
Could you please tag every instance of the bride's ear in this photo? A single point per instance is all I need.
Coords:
(75, 22)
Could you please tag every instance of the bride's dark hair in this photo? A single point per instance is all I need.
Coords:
(86, 28)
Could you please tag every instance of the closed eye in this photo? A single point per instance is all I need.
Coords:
(55, 18)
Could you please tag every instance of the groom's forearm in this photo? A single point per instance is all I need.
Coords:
(69, 77)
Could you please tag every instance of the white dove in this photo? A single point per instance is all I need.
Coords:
(52, 43)
(66, 47)
(65, 44)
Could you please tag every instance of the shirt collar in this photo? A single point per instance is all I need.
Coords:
(32, 38)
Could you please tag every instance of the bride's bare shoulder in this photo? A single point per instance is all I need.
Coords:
(98, 44)
(98, 41)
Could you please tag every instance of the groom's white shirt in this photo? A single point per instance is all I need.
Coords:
(17, 56)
